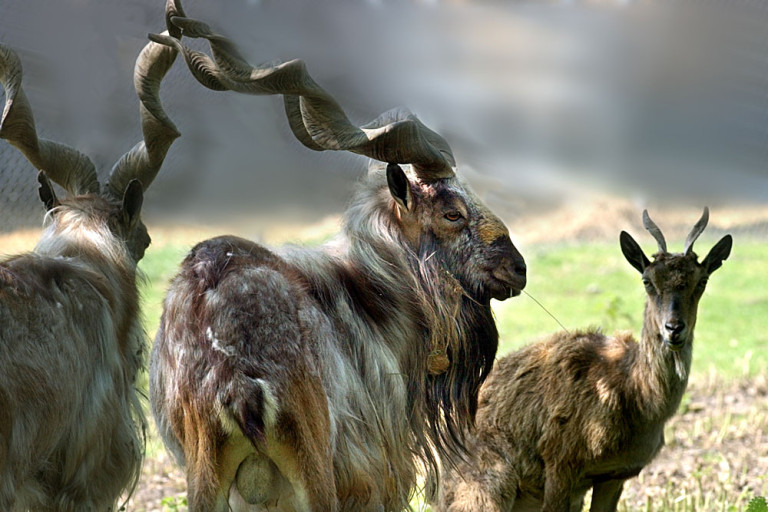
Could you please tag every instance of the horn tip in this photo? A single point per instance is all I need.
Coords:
(160, 39)
(647, 222)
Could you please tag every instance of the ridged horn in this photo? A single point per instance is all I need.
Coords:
(655, 231)
(144, 160)
(63, 164)
(315, 117)
(698, 228)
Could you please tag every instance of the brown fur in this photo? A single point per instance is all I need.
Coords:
(71, 346)
(583, 410)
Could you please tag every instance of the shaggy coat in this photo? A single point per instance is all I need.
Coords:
(71, 346)
(71, 343)
(326, 379)
(583, 410)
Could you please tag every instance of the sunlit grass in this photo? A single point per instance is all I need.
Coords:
(593, 285)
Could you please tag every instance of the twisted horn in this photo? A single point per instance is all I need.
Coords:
(655, 231)
(696, 231)
(144, 160)
(63, 164)
(314, 116)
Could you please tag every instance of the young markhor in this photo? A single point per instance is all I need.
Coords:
(584, 410)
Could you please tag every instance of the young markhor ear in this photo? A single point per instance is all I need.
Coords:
(632, 251)
(133, 198)
(718, 253)
(399, 187)
(47, 195)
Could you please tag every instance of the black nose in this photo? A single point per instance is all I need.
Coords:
(675, 328)
(520, 268)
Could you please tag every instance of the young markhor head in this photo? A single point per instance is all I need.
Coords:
(674, 282)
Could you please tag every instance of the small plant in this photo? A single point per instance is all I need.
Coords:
(174, 503)
(616, 314)
(757, 504)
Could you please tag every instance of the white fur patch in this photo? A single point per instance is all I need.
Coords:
(271, 407)
(216, 344)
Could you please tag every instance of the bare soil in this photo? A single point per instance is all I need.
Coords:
(716, 457)
(716, 453)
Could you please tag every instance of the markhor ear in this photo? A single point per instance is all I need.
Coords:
(632, 251)
(133, 198)
(47, 195)
(399, 187)
(718, 253)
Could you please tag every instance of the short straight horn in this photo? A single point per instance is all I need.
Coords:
(696, 231)
(655, 231)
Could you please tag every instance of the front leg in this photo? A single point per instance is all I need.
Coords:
(558, 489)
(605, 495)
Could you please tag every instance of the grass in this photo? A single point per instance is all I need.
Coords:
(592, 285)
(159, 266)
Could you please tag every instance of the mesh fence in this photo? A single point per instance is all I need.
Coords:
(17, 189)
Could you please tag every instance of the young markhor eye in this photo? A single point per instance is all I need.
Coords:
(648, 285)
(453, 216)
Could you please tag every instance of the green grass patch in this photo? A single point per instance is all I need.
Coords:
(159, 265)
(593, 285)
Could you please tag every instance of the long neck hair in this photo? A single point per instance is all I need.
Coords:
(80, 229)
(443, 319)
(79, 233)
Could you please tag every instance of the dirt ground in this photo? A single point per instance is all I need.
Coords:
(716, 453)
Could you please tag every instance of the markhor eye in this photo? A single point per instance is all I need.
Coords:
(453, 216)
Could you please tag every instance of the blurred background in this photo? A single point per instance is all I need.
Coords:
(544, 103)
(567, 118)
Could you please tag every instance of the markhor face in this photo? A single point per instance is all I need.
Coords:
(471, 242)
(674, 284)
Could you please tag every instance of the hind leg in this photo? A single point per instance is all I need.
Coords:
(471, 496)
(558, 488)
(206, 495)
(486, 482)
(288, 463)
(301, 445)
